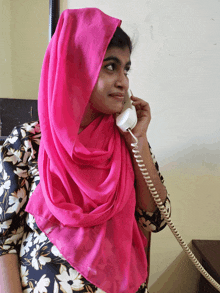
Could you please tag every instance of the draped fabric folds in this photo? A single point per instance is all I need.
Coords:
(86, 187)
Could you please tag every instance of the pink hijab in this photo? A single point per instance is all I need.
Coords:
(85, 201)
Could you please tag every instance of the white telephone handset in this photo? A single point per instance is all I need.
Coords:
(128, 117)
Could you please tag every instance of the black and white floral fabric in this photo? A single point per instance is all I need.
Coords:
(42, 267)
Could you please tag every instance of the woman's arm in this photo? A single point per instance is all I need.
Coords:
(144, 199)
(15, 185)
(9, 274)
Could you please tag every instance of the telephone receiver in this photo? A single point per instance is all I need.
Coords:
(127, 119)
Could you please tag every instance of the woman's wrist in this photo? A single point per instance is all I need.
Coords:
(142, 141)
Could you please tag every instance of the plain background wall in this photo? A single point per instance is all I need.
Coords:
(23, 40)
(5, 50)
(175, 67)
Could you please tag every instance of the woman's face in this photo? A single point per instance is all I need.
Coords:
(112, 84)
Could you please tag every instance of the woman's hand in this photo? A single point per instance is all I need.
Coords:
(143, 120)
(143, 116)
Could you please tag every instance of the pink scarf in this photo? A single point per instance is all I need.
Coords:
(85, 201)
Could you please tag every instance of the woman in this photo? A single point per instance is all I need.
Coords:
(78, 232)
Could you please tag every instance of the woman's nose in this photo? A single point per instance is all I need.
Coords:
(122, 80)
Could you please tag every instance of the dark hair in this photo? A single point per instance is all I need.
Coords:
(121, 40)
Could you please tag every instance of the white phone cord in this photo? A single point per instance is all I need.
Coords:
(163, 211)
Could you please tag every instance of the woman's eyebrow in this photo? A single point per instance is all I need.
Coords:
(116, 60)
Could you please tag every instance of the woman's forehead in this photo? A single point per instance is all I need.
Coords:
(122, 54)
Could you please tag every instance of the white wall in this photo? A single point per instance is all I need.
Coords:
(175, 67)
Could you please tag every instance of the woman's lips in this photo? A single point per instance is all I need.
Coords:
(117, 96)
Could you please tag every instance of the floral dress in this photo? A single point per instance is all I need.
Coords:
(42, 267)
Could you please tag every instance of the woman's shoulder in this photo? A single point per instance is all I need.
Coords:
(28, 130)
(23, 137)
(20, 150)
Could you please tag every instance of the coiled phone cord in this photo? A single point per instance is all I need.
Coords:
(166, 216)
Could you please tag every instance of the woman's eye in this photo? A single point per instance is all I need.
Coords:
(113, 67)
(127, 70)
(110, 67)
